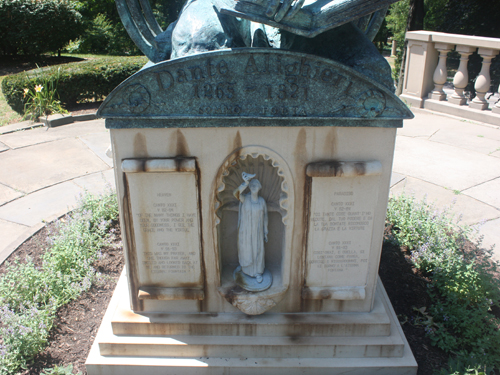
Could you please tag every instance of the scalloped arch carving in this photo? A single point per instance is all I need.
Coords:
(277, 189)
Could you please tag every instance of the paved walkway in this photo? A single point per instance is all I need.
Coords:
(42, 172)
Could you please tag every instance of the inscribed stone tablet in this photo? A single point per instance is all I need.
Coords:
(340, 228)
(164, 210)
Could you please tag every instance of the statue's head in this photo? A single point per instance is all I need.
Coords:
(255, 186)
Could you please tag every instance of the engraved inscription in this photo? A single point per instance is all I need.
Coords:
(341, 218)
(340, 231)
(166, 257)
(166, 227)
(283, 84)
(255, 83)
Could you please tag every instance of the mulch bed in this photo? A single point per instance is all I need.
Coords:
(407, 289)
(83, 108)
(77, 323)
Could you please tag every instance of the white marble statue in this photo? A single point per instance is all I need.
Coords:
(252, 228)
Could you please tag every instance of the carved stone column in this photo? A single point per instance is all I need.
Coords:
(461, 76)
(440, 74)
(496, 108)
(483, 79)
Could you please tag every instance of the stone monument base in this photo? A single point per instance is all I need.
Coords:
(361, 343)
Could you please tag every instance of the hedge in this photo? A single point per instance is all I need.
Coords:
(32, 27)
(79, 81)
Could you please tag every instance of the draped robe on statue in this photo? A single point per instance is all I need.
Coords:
(252, 227)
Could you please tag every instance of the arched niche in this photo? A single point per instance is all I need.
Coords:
(277, 190)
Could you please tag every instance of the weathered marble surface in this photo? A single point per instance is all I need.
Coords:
(343, 199)
(252, 234)
(164, 223)
(291, 150)
(320, 139)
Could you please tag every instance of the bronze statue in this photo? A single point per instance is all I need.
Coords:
(340, 30)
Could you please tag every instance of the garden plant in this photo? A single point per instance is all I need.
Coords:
(30, 294)
(42, 100)
(464, 284)
(76, 82)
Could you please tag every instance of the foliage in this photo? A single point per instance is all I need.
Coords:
(30, 295)
(104, 37)
(32, 27)
(470, 17)
(434, 13)
(57, 370)
(380, 39)
(42, 101)
(104, 32)
(469, 367)
(8, 115)
(463, 288)
(24, 334)
(80, 81)
(396, 23)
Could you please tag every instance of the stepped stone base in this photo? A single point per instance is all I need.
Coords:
(338, 343)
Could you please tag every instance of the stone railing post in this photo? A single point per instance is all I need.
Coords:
(426, 74)
(421, 58)
(483, 80)
(440, 74)
(496, 108)
(461, 78)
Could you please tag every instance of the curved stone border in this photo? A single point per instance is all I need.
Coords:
(62, 119)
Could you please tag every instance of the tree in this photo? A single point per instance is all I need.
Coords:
(104, 32)
(31, 27)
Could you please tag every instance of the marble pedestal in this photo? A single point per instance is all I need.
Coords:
(191, 344)
(320, 139)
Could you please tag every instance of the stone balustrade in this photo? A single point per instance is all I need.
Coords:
(426, 75)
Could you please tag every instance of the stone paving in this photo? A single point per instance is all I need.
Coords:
(451, 161)
(454, 163)
(43, 171)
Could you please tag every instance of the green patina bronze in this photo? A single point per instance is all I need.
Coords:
(251, 87)
(340, 30)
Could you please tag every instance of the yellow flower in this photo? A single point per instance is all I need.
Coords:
(26, 91)
(38, 88)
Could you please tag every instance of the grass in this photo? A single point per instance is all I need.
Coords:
(30, 293)
(9, 116)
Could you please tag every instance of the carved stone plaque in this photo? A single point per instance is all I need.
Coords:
(343, 199)
(163, 199)
(256, 83)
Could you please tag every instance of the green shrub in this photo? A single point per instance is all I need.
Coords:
(32, 27)
(463, 287)
(31, 295)
(80, 81)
